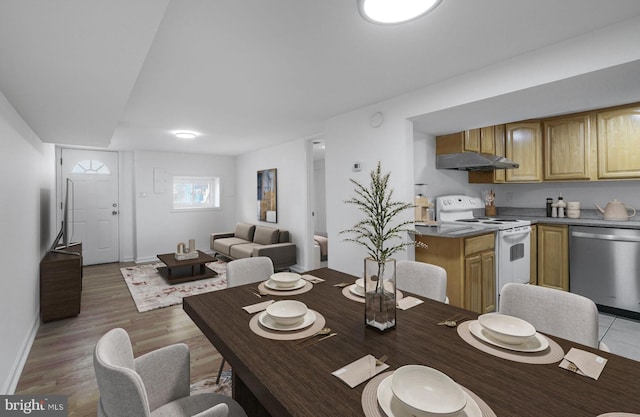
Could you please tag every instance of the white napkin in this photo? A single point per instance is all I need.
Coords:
(254, 308)
(408, 302)
(359, 371)
(583, 363)
(312, 279)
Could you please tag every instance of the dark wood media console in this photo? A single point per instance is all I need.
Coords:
(61, 283)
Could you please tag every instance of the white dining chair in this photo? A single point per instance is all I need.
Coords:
(558, 313)
(154, 384)
(423, 279)
(246, 271)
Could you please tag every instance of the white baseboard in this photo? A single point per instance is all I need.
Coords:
(9, 386)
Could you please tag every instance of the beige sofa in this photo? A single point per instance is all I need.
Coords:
(251, 240)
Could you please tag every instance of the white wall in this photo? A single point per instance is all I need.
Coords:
(28, 229)
(158, 229)
(349, 139)
(588, 193)
(290, 159)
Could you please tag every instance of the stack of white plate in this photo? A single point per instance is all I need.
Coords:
(420, 391)
(285, 281)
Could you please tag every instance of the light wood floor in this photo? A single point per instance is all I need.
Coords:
(61, 361)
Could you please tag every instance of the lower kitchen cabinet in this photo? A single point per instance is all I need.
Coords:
(553, 256)
(470, 266)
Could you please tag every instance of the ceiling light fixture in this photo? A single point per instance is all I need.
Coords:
(390, 12)
(185, 134)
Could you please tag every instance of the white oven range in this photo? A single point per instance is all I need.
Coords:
(513, 237)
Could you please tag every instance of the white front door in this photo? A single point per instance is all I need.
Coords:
(95, 202)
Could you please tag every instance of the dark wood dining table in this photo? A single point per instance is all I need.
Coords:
(274, 377)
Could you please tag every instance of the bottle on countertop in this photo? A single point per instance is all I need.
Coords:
(561, 206)
(549, 203)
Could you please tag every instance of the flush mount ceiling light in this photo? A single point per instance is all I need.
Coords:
(185, 134)
(392, 12)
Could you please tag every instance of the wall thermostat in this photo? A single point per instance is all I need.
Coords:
(357, 167)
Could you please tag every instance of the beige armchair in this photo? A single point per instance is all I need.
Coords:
(155, 384)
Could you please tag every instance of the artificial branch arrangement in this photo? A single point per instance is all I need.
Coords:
(377, 231)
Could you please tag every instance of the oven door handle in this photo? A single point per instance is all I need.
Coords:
(515, 232)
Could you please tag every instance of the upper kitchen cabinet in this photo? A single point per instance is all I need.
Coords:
(569, 150)
(619, 142)
(467, 141)
(523, 144)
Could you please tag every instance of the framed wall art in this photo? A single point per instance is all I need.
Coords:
(268, 195)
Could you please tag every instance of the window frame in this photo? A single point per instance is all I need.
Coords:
(215, 189)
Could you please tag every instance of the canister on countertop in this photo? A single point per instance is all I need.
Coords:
(549, 203)
(561, 205)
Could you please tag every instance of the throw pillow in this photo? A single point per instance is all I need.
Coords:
(245, 231)
(265, 235)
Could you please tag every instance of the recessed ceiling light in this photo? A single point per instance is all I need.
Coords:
(185, 134)
(395, 11)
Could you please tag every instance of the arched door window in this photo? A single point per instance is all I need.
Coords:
(91, 167)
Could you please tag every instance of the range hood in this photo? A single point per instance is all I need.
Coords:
(473, 161)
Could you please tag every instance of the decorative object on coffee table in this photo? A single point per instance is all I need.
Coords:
(183, 252)
(381, 235)
(186, 270)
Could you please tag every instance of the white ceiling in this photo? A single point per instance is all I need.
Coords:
(247, 74)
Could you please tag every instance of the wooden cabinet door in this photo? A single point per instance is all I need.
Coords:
(480, 282)
(619, 143)
(533, 275)
(473, 283)
(472, 140)
(499, 175)
(487, 140)
(488, 282)
(523, 144)
(567, 148)
(553, 256)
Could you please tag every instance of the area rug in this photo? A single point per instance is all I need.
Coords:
(209, 385)
(150, 290)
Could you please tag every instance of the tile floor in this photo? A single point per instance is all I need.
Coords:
(621, 335)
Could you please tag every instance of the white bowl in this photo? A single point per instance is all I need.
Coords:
(507, 329)
(360, 285)
(427, 392)
(372, 286)
(287, 312)
(285, 279)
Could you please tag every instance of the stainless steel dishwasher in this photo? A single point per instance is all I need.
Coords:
(605, 266)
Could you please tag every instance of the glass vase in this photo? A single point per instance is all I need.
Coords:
(380, 294)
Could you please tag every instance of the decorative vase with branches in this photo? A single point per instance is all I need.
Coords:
(382, 235)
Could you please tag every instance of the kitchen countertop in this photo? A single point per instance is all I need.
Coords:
(535, 215)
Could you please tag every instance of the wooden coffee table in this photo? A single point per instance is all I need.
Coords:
(187, 270)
